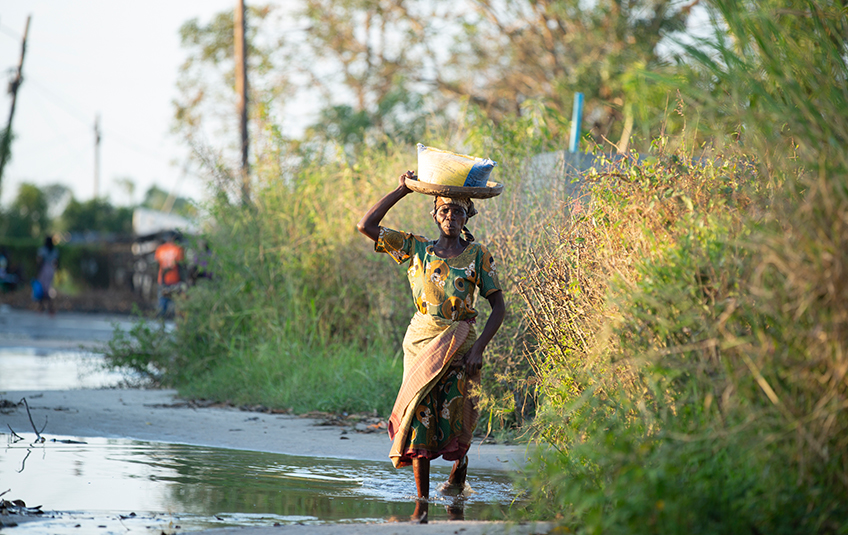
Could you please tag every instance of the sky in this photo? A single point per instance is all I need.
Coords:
(112, 58)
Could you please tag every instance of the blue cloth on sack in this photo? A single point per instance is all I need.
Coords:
(478, 176)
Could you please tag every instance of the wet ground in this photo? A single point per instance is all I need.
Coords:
(39, 368)
(120, 484)
(99, 483)
(67, 330)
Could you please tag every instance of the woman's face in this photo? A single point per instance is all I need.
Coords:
(450, 219)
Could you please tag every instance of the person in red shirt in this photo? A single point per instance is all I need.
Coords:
(169, 256)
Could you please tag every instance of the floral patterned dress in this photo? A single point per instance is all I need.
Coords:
(443, 291)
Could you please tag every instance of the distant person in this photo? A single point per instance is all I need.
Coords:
(8, 278)
(200, 264)
(46, 264)
(169, 256)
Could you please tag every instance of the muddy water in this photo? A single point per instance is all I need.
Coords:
(112, 485)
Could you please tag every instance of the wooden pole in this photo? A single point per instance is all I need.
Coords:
(241, 91)
(96, 155)
(6, 142)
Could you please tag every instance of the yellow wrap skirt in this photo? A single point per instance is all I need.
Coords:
(435, 412)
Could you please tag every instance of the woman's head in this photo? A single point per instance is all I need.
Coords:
(451, 214)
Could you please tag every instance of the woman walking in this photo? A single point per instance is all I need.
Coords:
(435, 411)
(46, 264)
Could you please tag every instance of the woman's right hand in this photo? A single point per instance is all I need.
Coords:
(370, 222)
(402, 179)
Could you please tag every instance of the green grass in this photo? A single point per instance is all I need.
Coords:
(290, 375)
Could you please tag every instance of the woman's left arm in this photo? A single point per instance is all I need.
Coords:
(474, 358)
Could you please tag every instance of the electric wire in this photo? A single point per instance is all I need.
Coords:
(10, 32)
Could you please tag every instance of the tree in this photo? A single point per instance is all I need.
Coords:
(527, 49)
(363, 57)
(27, 216)
(383, 68)
(96, 215)
(495, 55)
(205, 107)
(158, 199)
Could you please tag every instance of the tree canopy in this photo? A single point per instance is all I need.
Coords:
(380, 68)
(27, 216)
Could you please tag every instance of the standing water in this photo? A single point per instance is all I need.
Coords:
(30, 368)
(92, 484)
(117, 484)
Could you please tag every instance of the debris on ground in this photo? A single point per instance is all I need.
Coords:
(11, 511)
(360, 422)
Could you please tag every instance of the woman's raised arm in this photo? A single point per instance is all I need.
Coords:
(370, 222)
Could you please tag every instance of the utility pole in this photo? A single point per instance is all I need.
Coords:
(241, 90)
(96, 156)
(6, 142)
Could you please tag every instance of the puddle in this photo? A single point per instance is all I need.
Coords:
(49, 369)
(115, 485)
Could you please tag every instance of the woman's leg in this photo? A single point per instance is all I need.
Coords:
(421, 469)
(456, 480)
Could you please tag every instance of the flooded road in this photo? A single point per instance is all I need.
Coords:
(34, 368)
(186, 469)
(115, 483)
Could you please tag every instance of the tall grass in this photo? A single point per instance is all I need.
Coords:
(302, 313)
(694, 378)
(298, 313)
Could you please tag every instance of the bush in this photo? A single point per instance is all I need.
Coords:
(713, 396)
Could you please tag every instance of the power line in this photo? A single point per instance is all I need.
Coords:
(68, 108)
(10, 32)
(84, 119)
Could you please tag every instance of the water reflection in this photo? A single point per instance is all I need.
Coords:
(207, 487)
(26, 368)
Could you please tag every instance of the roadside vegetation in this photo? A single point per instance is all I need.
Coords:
(676, 340)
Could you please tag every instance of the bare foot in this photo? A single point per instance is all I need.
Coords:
(422, 509)
(456, 481)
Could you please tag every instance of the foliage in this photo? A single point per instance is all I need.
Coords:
(547, 51)
(363, 58)
(712, 397)
(768, 80)
(96, 215)
(142, 349)
(27, 216)
(391, 70)
(158, 199)
(296, 290)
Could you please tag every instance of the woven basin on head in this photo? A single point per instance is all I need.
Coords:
(491, 189)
